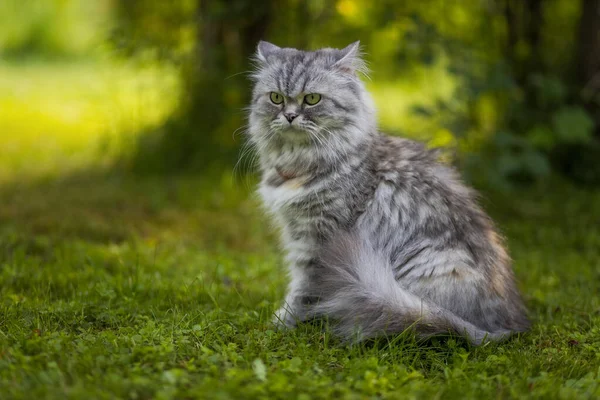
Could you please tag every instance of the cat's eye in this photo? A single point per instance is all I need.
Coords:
(312, 99)
(276, 98)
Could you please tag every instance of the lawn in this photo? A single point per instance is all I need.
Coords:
(114, 285)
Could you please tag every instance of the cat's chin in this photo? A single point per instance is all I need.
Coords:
(295, 135)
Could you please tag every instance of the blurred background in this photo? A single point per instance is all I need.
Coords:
(136, 261)
(132, 110)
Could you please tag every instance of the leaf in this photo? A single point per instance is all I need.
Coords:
(507, 164)
(442, 138)
(536, 164)
(507, 139)
(295, 364)
(422, 111)
(542, 137)
(260, 370)
(573, 125)
(550, 89)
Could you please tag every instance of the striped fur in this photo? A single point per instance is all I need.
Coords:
(379, 236)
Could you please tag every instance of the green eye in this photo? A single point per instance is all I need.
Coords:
(312, 99)
(276, 98)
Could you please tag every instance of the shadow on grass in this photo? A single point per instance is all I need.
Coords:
(106, 207)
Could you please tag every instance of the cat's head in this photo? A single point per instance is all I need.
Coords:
(312, 98)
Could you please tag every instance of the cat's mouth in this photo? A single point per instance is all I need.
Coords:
(294, 129)
(295, 134)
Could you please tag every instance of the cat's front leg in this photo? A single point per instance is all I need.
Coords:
(294, 308)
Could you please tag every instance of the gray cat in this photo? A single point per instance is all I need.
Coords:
(379, 236)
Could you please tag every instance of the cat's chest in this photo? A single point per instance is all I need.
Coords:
(285, 196)
(301, 238)
(307, 216)
(296, 203)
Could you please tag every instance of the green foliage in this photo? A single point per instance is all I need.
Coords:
(541, 126)
(155, 29)
(469, 70)
(507, 159)
(506, 132)
(572, 125)
(78, 112)
(510, 158)
(504, 77)
(51, 28)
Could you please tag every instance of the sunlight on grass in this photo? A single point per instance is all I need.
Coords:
(54, 117)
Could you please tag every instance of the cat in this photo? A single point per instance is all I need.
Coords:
(379, 236)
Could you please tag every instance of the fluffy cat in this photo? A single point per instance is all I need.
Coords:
(379, 236)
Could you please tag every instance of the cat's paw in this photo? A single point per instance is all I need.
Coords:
(284, 319)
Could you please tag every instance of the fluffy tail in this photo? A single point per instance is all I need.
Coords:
(357, 289)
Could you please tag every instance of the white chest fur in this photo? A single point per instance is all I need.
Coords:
(276, 198)
(299, 235)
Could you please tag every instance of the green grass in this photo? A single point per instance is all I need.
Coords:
(163, 287)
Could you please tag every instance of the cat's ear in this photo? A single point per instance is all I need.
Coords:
(350, 59)
(264, 50)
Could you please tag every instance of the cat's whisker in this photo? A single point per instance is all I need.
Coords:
(237, 74)
(243, 128)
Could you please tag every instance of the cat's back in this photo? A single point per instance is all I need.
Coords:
(411, 167)
(428, 224)
(420, 200)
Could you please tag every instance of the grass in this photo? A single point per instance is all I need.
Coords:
(116, 286)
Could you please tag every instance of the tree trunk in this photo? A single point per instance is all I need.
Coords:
(512, 27)
(224, 46)
(524, 21)
(534, 29)
(588, 58)
(216, 88)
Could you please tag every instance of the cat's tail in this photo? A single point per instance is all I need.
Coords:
(359, 293)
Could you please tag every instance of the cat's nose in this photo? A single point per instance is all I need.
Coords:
(290, 116)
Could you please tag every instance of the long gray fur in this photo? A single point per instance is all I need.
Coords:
(379, 236)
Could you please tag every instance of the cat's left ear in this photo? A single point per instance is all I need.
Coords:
(350, 59)
(264, 50)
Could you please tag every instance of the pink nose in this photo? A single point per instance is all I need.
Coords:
(290, 116)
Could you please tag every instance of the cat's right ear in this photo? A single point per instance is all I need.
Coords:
(350, 59)
(264, 50)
